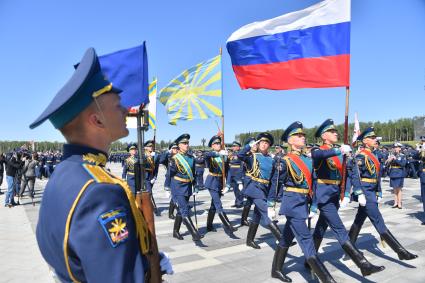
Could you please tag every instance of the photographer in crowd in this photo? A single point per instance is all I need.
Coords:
(13, 168)
(28, 178)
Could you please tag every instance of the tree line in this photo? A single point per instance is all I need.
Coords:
(393, 130)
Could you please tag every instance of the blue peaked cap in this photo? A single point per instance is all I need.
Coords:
(326, 126)
(182, 138)
(293, 129)
(86, 83)
(214, 139)
(368, 132)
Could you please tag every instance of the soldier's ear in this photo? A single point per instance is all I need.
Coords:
(96, 120)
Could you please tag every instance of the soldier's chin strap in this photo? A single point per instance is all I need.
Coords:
(103, 117)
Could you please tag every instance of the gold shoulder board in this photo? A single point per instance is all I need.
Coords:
(98, 174)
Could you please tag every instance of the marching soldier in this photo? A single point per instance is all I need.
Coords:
(151, 165)
(275, 193)
(182, 168)
(247, 204)
(366, 180)
(216, 163)
(200, 168)
(297, 177)
(128, 168)
(260, 169)
(89, 227)
(327, 163)
(235, 175)
(396, 164)
(165, 160)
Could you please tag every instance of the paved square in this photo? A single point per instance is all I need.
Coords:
(221, 258)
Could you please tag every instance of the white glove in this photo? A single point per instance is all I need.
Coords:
(165, 263)
(153, 153)
(362, 200)
(312, 214)
(379, 200)
(252, 143)
(153, 181)
(225, 190)
(345, 149)
(271, 213)
(345, 201)
(223, 152)
(240, 186)
(167, 194)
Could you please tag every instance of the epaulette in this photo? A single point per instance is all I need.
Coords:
(315, 148)
(98, 174)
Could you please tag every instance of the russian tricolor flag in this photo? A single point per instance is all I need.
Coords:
(309, 48)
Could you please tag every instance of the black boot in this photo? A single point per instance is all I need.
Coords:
(245, 213)
(275, 230)
(226, 222)
(171, 210)
(402, 253)
(191, 228)
(354, 233)
(157, 212)
(277, 265)
(365, 266)
(319, 268)
(252, 230)
(176, 229)
(210, 219)
(317, 243)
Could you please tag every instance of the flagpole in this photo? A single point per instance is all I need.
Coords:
(154, 130)
(344, 162)
(223, 145)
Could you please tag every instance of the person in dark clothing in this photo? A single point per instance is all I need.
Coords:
(28, 177)
(2, 164)
(13, 165)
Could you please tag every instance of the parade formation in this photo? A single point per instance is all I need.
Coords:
(96, 226)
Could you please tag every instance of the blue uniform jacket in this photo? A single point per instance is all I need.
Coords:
(396, 167)
(214, 163)
(181, 183)
(89, 211)
(365, 178)
(295, 204)
(259, 173)
(235, 168)
(326, 174)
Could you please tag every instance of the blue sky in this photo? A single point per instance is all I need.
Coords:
(41, 40)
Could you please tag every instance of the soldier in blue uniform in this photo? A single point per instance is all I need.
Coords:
(297, 178)
(50, 163)
(235, 175)
(89, 227)
(216, 163)
(327, 163)
(247, 204)
(182, 169)
(151, 165)
(128, 168)
(260, 169)
(396, 171)
(199, 169)
(366, 180)
(165, 160)
(275, 193)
